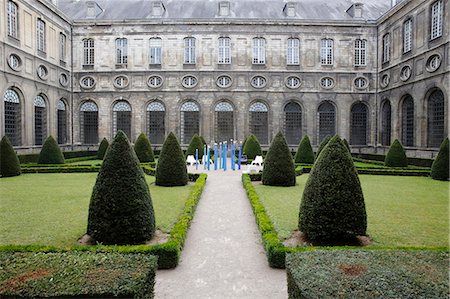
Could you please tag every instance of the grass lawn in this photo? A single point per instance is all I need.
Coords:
(401, 211)
(52, 209)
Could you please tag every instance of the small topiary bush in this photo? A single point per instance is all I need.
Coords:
(143, 149)
(252, 147)
(9, 163)
(305, 152)
(440, 167)
(102, 148)
(279, 169)
(50, 153)
(332, 209)
(396, 156)
(196, 143)
(322, 145)
(171, 170)
(121, 209)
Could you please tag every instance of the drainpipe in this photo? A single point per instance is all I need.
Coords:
(71, 86)
(376, 94)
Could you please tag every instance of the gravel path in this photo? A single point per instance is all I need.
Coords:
(223, 256)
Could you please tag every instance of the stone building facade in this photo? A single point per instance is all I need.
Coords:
(225, 69)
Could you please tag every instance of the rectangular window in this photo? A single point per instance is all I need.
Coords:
(155, 50)
(259, 50)
(121, 51)
(224, 50)
(326, 51)
(62, 47)
(360, 52)
(189, 50)
(88, 51)
(407, 36)
(293, 51)
(12, 19)
(386, 48)
(436, 19)
(40, 32)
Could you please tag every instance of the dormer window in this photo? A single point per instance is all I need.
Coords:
(289, 9)
(224, 9)
(356, 10)
(93, 9)
(157, 9)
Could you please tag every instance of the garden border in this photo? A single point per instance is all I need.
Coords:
(274, 247)
(168, 253)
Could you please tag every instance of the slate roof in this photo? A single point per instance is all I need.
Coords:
(317, 10)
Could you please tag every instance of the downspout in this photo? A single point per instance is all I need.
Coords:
(71, 84)
(376, 93)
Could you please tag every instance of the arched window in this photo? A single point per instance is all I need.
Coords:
(190, 121)
(122, 118)
(12, 115)
(327, 120)
(89, 123)
(359, 115)
(408, 121)
(386, 123)
(293, 123)
(436, 115)
(156, 113)
(40, 120)
(259, 124)
(224, 122)
(62, 122)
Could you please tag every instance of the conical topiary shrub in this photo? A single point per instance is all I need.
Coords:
(9, 163)
(243, 144)
(305, 152)
(252, 147)
(143, 149)
(440, 167)
(171, 170)
(50, 152)
(396, 156)
(203, 140)
(347, 145)
(102, 148)
(322, 145)
(196, 143)
(332, 209)
(121, 209)
(279, 169)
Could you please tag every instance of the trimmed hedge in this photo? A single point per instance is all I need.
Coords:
(394, 172)
(332, 209)
(62, 169)
(168, 253)
(396, 156)
(33, 158)
(9, 163)
(50, 152)
(440, 167)
(322, 145)
(143, 149)
(252, 148)
(102, 148)
(77, 274)
(279, 169)
(121, 208)
(171, 170)
(305, 152)
(368, 274)
(196, 143)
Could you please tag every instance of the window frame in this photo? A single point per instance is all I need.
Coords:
(155, 51)
(121, 51)
(293, 51)
(62, 47)
(326, 51)
(12, 17)
(386, 48)
(407, 35)
(224, 50)
(189, 50)
(436, 19)
(88, 52)
(360, 52)
(41, 35)
(259, 51)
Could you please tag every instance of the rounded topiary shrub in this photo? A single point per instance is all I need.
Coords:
(196, 143)
(9, 163)
(143, 149)
(322, 145)
(102, 148)
(396, 156)
(279, 169)
(305, 152)
(171, 170)
(121, 209)
(332, 209)
(50, 152)
(252, 147)
(440, 167)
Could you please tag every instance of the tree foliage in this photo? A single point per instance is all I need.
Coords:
(305, 153)
(9, 162)
(50, 152)
(279, 169)
(252, 148)
(171, 169)
(396, 156)
(103, 147)
(143, 149)
(440, 167)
